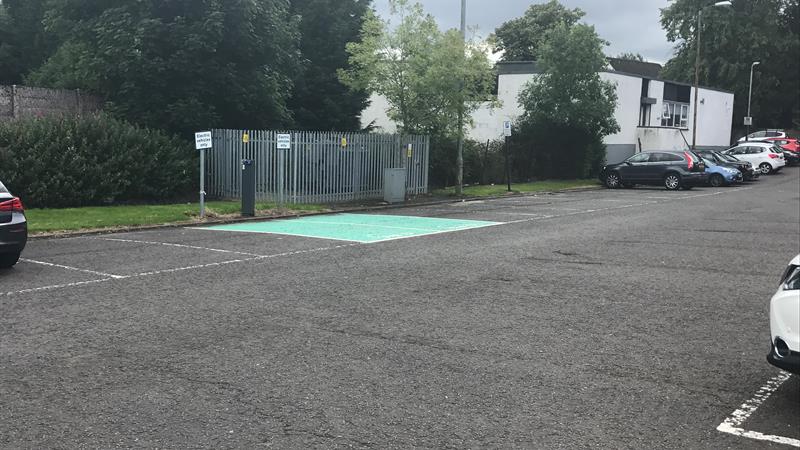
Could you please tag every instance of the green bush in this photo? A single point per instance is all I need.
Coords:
(55, 162)
(552, 151)
(482, 165)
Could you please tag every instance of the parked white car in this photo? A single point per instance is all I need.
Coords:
(784, 321)
(761, 135)
(766, 156)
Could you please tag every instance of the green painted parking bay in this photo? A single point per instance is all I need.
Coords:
(364, 228)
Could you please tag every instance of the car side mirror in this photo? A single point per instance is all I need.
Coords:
(628, 163)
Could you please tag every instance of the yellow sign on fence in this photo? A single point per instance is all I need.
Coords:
(246, 138)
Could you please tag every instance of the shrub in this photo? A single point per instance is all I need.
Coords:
(548, 151)
(482, 165)
(55, 162)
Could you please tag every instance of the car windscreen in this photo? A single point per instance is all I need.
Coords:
(3, 189)
(728, 157)
(708, 162)
(791, 278)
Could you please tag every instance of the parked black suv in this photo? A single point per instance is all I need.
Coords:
(13, 228)
(748, 172)
(671, 169)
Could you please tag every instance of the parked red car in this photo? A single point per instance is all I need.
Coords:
(786, 143)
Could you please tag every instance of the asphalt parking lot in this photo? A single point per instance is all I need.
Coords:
(613, 319)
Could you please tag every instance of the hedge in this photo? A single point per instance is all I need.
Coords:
(55, 162)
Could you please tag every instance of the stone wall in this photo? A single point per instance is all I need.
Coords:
(23, 101)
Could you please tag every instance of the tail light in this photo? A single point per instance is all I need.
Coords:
(774, 156)
(689, 160)
(13, 205)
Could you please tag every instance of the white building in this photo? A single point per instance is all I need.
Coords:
(653, 114)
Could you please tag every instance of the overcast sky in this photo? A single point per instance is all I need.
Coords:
(629, 25)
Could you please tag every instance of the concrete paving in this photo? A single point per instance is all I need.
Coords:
(613, 319)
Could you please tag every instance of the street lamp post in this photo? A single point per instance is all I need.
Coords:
(750, 97)
(697, 70)
(460, 159)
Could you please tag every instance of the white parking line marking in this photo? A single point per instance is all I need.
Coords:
(165, 271)
(55, 286)
(254, 257)
(169, 244)
(732, 425)
(74, 269)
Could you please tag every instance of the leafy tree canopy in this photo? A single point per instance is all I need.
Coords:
(569, 108)
(179, 65)
(424, 73)
(570, 90)
(320, 101)
(732, 39)
(630, 56)
(23, 41)
(521, 39)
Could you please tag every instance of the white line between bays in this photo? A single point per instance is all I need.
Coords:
(253, 257)
(74, 269)
(169, 244)
(109, 277)
(733, 424)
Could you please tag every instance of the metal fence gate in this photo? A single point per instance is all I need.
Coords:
(320, 167)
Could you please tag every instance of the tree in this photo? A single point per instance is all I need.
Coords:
(521, 39)
(179, 65)
(419, 69)
(320, 101)
(24, 44)
(424, 74)
(568, 108)
(732, 38)
(630, 56)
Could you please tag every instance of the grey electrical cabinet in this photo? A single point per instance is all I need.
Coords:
(394, 185)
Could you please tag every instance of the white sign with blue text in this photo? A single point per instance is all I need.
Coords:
(507, 128)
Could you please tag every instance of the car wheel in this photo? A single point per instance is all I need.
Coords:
(612, 180)
(8, 259)
(716, 180)
(672, 181)
(766, 169)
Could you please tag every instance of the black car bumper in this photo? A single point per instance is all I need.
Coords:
(789, 363)
(13, 237)
(695, 179)
(752, 175)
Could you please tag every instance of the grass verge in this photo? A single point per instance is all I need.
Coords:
(89, 218)
(500, 189)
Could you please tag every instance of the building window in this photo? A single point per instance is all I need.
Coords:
(675, 114)
(644, 115)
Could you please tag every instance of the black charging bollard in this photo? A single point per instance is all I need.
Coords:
(248, 188)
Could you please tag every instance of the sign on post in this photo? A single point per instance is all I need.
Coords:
(202, 140)
(284, 141)
(748, 121)
(507, 128)
(507, 134)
